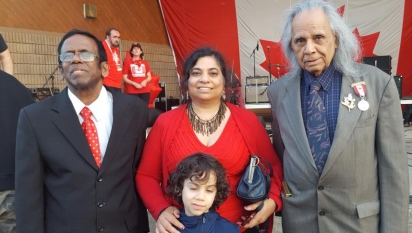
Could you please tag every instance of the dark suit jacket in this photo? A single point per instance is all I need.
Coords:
(59, 188)
(13, 97)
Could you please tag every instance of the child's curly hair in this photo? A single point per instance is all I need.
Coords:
(198, 166)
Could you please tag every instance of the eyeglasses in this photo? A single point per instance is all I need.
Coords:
(84, 56)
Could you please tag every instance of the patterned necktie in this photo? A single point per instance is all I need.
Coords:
(317, 127)
(90, 131)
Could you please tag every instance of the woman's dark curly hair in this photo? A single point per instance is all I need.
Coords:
(198, 167)
(191, 61)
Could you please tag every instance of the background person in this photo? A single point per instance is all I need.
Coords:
(354, 176)
(200, 185)
(207, 125)
(137, 73)
(13, 97)
(5, 58)
(68, 178)
(111, 46)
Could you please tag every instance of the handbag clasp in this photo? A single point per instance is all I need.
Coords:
(254, 161)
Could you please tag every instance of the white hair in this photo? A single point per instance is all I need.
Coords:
(348, 49)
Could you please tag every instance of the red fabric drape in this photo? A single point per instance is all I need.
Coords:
(405, 53)
(194, 24)
(191, 24)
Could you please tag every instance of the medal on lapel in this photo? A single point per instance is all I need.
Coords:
(349, 102)
(360, 90)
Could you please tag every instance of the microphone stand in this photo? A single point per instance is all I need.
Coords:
(254, 67)
(233, 86)
(51, 77)
(254, 59)
(233, 96)
(269, 67)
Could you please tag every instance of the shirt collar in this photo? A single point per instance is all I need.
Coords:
(95, 107)
(325, 78)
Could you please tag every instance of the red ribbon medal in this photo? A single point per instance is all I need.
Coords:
(360, 90)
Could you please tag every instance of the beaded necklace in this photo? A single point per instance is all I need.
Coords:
(206, 127)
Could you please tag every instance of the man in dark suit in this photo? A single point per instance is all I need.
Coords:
(13, 97)
(62, 184)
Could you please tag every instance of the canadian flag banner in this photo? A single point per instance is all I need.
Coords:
(247, 32)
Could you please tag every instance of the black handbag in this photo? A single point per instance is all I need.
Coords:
(254, 186)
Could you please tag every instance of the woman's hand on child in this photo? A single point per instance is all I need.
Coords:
(167, 221)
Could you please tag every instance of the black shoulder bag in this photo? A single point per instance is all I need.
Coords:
(254, 186)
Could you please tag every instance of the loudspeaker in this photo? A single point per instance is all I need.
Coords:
(170, 102)
(153, 115)
(42, 93)
(382, 62)
(256, 94)
(259, 80)
(160, 101)
(398, 82)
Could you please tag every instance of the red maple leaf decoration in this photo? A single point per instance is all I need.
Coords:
(276, 63)
(275, 60)
(341, 10)
(368, 42)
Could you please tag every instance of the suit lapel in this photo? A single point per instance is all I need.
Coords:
(346, 123)
(292, 107)
(121, 123)
(68, 123)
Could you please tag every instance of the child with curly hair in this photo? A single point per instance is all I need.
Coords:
(199, 184)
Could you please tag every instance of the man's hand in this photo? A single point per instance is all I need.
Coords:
(167, 221)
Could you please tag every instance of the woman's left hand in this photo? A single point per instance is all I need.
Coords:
(143, 83)
(269, 207)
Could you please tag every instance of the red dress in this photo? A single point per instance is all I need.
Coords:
(234, 159)
(172, 138)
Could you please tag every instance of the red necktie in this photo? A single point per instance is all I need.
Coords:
(90, 131)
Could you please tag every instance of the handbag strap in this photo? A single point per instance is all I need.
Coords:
(265, 164)
(265, 224)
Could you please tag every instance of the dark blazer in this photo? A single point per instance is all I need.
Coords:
(59, 188)
(13, 97)
(364, 186)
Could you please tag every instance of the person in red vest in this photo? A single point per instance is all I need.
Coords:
(111, 46)
(137, 73)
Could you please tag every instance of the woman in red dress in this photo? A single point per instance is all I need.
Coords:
(209, 125)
